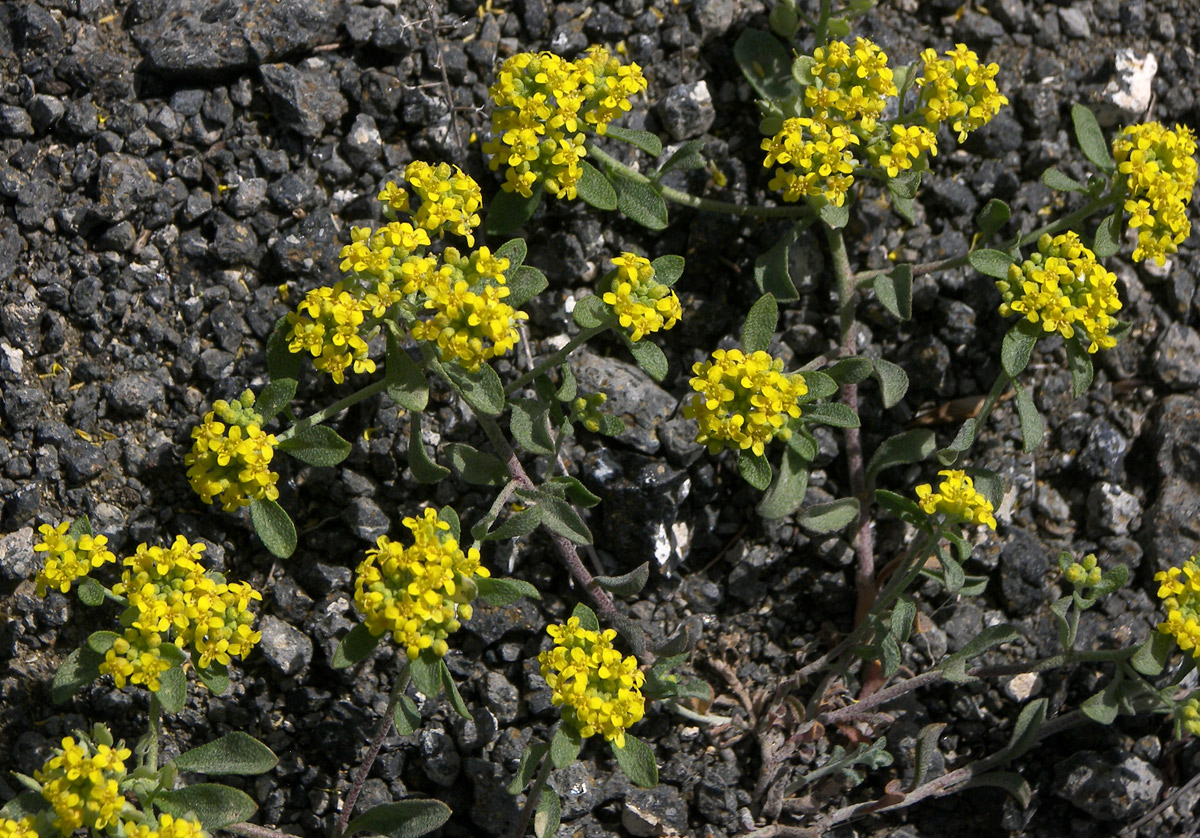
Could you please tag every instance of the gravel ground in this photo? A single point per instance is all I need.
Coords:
(167, 165)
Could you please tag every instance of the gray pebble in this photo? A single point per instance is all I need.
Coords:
(1115, 785)
(439, 758)
(1177, 359)
(288, 649)
(248, 198)
(687, 110)
(303, 100)
(81, 460)
(1112, 510)
(15, 122)
(366, 520)
(17, 559)
(501, 697)
(23, 406)
(1075, 23)
(134, 394)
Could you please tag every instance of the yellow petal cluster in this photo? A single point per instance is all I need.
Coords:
(1065, 288)
(957, 499)
(173, 598)
(819, 157)
(586, 410)
(598, 689)
(450, 198)
(1159, 166)
(743, 401)
(24, 828)
(959, 91)
(908, 144)
(327, 325)
(851, 84)
(1179, 589)
(231, 455)
(642, 304)
(544, 104)
(68, 557)
(168, 827)
(418, 594)
(80, 782)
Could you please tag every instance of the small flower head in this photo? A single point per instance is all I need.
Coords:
(418, 594)
(907, 146)
(328, 325)
(1179, 589)
(1065, 288)
(586, 411)
(1085, 573)
(450, 199)
(1159, 169)
(851, 84)
(80, 782)
(815, 161)
(743, 401)
(642, 304)
(598, 689)
(1188, 713)
(231, 456)
(957, 499)
(24, 828)
(71, 552)
(959, 91)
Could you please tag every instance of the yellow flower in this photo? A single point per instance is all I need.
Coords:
(450, 199)
(851, 86)
(959, 91)
(957, 499)
(820, 158)
(1064, 287)
(418, 594)
(1179, 589)
(23, 828)
(1084, 573)
(471, 322)
(598, 689)
(742, 401)
(1159, 166)
(80, 782)
(908, 144)
(231, 458)
(68, 557)
(328, 325)
(642, 304)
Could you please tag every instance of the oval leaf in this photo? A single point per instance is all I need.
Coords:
(594, 188)
(894, 291)
(786, 492)
(993, 263)
(637, 761)
(81, 667)
(754, 469)
(640, 202)
(406, 384)
(501, 592)
(214, 805)
(509, 210)
(564, 746)
(1091, 138)
(904, 448)
(480, 389)
(233, 753)
(829, 517)
(406, 819)
(647, 142)
(274, 527)
(760, 324)
(629, 584)
(524, 284)
(475, 467)
(275, 397)
(1018, 346)
(318, 446)
(422, 466)
(355, 646)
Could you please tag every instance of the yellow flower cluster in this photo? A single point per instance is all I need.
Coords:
(327, 325)
(471, 322)
(1179, 589)
(642, 305)
(1064, 287)
(23, 828)
(168, 827)
(820, 158)
(908, 144)
(231, 456)
(1160, 174)
(959, 91)
(586, 410)
(957, 499)
(1085, 573)
(420, 593)
(68, 557)
(171, 595)
(450, 198)
(81, 784)
(598, 689)
(543, 106)
(1189, 714)
(743, 401)
(851, 84)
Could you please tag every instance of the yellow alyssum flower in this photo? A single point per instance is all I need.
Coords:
(68, 557)
(24, 828)
(1179, 589)
(1064, 287)
(957, 499)
(1084, 573)
(168, 827)
(136, 659)
(851, 84)
(450, 198)
(820, 159)
(80, 782)
(328, 325)
(959, 91)
(418, 594)
(908, 144)
(598, 689)
(231, 456)
(1159, 168)
(743, 401)
(642, 305)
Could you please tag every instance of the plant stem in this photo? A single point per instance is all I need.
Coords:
(535, 794)
(156, 714)
(554, 358)
(333, 409)
(687, 199)
(381, 732)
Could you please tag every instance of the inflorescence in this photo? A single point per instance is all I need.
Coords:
(1159, 168)
(598, 689)
(957, 499)
(1179, 589)
(642, 304)
(231, 456)
(418, 594)
(1065, 288)
(69, 556)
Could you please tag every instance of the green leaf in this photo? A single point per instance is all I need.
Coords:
(954, 666)
(766, 63)
(889, 655)
(426, 673)
(215, 805)
(569, 389)
(354, 647)
(637, 761)
(406, 819)
(501, 592)
(509, 210)
(406, 384)
(451, 688)
(851, 370)
(786, 492)
(905, 184)
(953, 577)
(835, 217)
(1025, 731)
(901, 621)
(647, 142)
(215, 677)
(1152, 656)
(530, 758)
(1032, 427)
(903, 448)
(564, 746)
(1108, 236)
(1018, 346)
(515, 251)
(820, 386)
(233, 753)
(963, 440)
(1079, 362)
(26, 804)
(1102, 707)
(480, 389)
(517, 525)
(760, 324)
(524, 284)
(647, 355)
(1012, 783)
(903, 207)
(926, 751)
(802, 70)
(274, 527)
(281, 362)
(277, 395)
(594, 188)
(772, 269)
(640, 202)
(829, 517)
(989, 484)
(836, 415)
(899, 505)
(406, 717)
(894, 291)
(991, 218)
(450, 517)
(668, 269)
(90, 592)
(172, 694)
(573, 490)
(1091, 138)
(558, 516)
(548, 816)
(1056, 179)
(475, 467)
(754, 469)
(993, 263)
(687, 156)
(80, 668)
(319, 446)
(424, 469)
(591, 312)
(628, 584)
